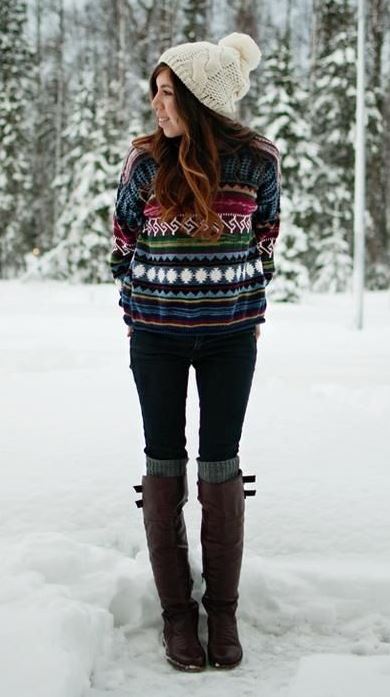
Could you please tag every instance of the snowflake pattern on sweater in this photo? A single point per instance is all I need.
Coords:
(173, 282)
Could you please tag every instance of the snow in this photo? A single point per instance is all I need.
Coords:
(79, 616)
(342, 676)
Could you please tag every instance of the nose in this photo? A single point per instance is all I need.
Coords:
(155, 101)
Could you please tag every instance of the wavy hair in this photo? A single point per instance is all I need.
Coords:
(188, 174)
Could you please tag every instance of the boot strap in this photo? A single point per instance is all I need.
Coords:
(249, 479)
(138, 488)
(249, 492)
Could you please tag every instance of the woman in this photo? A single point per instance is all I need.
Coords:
(196, 218)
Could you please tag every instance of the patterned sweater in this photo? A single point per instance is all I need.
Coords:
(172, 282)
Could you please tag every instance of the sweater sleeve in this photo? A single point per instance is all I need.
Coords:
(128, 220)
(266, 219)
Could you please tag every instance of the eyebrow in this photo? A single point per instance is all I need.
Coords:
(170, 86)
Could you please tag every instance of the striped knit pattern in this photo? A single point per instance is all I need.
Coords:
(172, 282)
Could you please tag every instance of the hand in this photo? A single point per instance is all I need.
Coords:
(130, 331)
(257, 331)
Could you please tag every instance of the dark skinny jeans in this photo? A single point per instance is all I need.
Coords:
(224, 367)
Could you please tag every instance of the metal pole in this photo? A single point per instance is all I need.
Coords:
(359, 233)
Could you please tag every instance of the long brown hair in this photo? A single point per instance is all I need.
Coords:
(188, 175)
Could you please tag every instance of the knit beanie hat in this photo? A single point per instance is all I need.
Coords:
(218, 75)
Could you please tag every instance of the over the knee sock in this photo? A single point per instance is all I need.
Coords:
(220, 471)
(165, 468)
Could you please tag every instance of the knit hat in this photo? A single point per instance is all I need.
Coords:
(218, 75)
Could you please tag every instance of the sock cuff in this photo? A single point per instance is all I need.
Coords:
(166, 468)
(219, 471)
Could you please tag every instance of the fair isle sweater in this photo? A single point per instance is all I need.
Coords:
(174, 283)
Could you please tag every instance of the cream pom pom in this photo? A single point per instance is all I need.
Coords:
(247, 48)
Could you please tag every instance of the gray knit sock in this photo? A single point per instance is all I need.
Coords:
(220, 471)
(165, 468)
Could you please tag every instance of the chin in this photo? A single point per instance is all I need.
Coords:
(172, 135)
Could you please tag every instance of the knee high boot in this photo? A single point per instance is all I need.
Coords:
(162, 501)
(222, 536)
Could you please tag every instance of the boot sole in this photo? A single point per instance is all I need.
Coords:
(191, 668)
(184, 668)
(224, 666)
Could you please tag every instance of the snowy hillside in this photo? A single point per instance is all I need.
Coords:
(79, 615)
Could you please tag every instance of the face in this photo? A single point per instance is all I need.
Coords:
(164, 106)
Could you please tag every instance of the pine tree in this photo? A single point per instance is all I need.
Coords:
(43, 145)
(281, 117)
(248, 19)
(377, 195)
(96, 150)
(16, 90)
(333, 101)
(78, 137)
(196, 16)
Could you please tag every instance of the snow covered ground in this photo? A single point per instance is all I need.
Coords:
(79, 615)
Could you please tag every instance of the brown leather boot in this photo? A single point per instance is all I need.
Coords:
(162, 502)
(222, 536)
